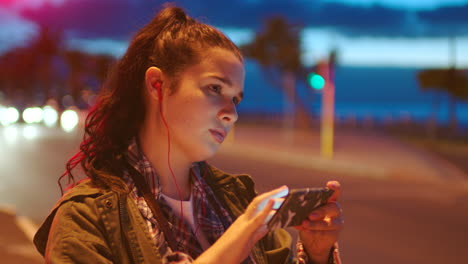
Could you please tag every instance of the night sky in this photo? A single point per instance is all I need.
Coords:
(382, 33)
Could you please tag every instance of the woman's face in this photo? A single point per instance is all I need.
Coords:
(202, 111)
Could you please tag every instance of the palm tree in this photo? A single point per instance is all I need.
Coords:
(451, 81)
(17, 73)
(27, 71)
(76, 61)
(277, 50)
(46, 47)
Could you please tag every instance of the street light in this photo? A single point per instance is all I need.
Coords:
(321, 78)
(316, 81)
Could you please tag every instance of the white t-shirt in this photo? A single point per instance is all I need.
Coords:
(187, 207)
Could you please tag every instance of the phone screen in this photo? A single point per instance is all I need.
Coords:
(298, 204)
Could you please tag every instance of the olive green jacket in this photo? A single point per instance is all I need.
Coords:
(92, 225)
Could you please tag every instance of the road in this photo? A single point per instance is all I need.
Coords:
(386, 220)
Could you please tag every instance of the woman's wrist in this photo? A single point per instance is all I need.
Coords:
(317, 249)
(306, 256)
(323, 259)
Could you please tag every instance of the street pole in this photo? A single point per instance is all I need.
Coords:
(328, 113)
(289, 107)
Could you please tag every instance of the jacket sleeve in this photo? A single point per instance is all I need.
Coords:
(277, 245)
(76, 236)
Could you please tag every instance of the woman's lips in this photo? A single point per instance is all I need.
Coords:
(218, 136)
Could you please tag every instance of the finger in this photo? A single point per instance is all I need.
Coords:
(260, 201)
(336, 187)
(332, 209)
(270, 215)
(260, 220)
(277, 203)
(276, 193)
(322, 225)
(261, 217)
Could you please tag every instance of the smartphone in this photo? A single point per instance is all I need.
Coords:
(297, 205)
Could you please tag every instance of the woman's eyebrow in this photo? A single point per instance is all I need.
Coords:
(228, 82)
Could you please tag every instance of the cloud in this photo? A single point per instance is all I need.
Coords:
(105, 26)
(447, 20)
(15, 30)
(402, 4)
(120, 19)
(111, 47)
(90, 18)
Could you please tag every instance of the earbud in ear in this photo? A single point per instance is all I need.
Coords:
(157, 86)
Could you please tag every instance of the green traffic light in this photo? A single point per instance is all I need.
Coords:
(316, 81)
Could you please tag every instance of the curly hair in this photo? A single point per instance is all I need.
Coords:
(172, 41)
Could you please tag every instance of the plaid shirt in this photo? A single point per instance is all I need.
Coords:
(207, 221)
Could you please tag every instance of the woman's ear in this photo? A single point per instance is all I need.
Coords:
(153, 82)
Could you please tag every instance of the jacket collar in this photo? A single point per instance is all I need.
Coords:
(84, 188)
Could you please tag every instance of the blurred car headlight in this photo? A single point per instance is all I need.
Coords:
(32, 115)
(8, 116)
(49, 115)
(69, 120)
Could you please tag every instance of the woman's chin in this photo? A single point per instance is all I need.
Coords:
(208, 152)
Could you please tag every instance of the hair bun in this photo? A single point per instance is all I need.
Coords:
(180, 14)
(176, 14)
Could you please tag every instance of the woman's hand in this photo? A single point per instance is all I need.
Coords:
(321, 229)
(237, 242)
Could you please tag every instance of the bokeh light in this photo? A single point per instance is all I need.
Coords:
(8, 116)
(30, 131)
(2, 108)
(316, 81)
(10, 134)
(69, 120)
(32, 115)
(50, 116)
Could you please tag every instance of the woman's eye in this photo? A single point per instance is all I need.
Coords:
(215, 88)
(236, 101)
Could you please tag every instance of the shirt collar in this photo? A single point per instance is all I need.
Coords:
(138, 160)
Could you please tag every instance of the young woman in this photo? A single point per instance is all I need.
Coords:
(149, 197)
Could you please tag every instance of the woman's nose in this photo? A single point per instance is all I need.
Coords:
(228, 113)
